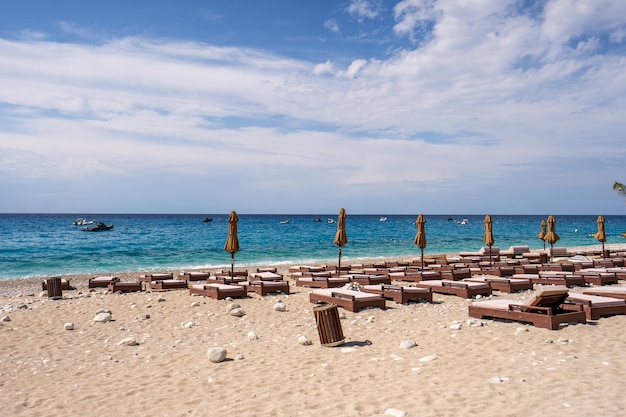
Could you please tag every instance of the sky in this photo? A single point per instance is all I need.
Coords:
(305, 106)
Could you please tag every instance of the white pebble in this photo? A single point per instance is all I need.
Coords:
(395, 412)
(68, 326)
(252, 336)
(408, 344)
(216, 354)
(428, 358)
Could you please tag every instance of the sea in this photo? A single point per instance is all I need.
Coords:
(44, 245)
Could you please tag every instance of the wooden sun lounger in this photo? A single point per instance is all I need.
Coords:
(65, 285)
(459, 288)
(265, 287)
(598, 278)
(101, 281)
(504, 284)
(611, 291)
(266, 276)
(118, 286)
(226, 279)
(543, 309)
(194, 276)
(456, 274)
(415, 276)
(551, 278)
(348, 299)
(400, 294)
(155, 277)
(366, 279)
(218, 291)
(596, 306)
(321, 282)
(168, 284)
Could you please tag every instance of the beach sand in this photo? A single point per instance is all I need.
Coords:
(498, 369)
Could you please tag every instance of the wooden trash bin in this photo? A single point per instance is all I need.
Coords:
(328, 325)
(543, 258)
(55, 288)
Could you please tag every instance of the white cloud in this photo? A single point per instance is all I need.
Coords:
(364, 9)
(493, 100)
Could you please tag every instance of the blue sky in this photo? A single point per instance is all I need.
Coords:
(381, 107)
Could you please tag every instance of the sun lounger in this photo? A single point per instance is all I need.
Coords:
(348, 299)
(266, 276)
(168, 284)
(567, 279)
(596, 306)
(218, 291)
(265, 287)
(118, 286)
(226, 279)
(615, 291)
(515, 251)
(400, 294)
(365, 279)
(65, 285)
(459, 288)
(544, 309)
(321, 282)
(456, 273)
(504, 284)
(598, 277)
(228, 273)
(101, 281)
(414, 275)
(194, 276)
(155, 277)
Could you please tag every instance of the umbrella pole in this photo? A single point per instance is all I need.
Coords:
(232, 265)
(490, 259)
(339, 263)
(422, 259)
(603, 252)
(551, 252)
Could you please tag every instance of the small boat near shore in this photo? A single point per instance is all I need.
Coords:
(207, 220)
(98, 227)
(82, 222)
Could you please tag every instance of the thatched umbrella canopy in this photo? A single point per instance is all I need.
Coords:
(341, 238)
(232, 241)
(420, 238)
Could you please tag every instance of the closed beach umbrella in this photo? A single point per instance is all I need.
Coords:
(341, 238)
(542, 234)
(601, 235)
(551, 236)
(232, 242)
(488, 238)
(420, 238)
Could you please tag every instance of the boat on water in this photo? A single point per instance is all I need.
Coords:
(464, 221)
(98, 227)
(284, 221)
(82, 222)
(330, 221)
(207, 219)
(317, 219)
(382, 219)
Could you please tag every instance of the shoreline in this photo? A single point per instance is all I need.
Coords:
(32, 285)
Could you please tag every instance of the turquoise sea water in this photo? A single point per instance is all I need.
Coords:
(35, 245)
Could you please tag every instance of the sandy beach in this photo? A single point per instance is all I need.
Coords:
(497, 369)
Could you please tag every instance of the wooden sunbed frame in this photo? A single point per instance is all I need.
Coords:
(458, 288)
(348, 299)
(366, 279)
(504, 284)
(194, 276)
(597, 306)
(568, 280)
(543, 309)
(65, 284)
(118, 286)
(101, 281)
(599, 278)
(321, 282)
(155, 277)
(168, 284)
(218, 291)
(612, 291)
(263, 288)
(400, 294)
(415, 276)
